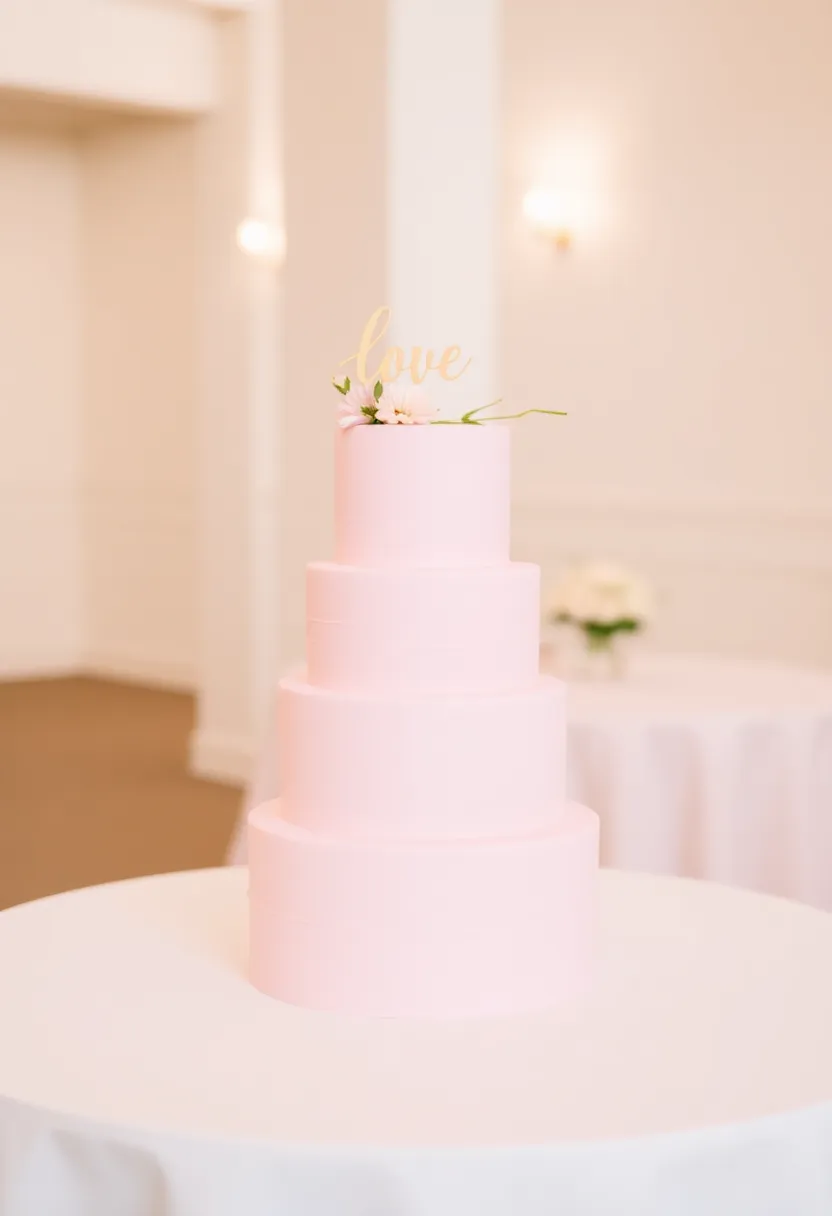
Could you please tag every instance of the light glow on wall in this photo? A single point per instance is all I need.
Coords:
(552, 213)
(260, 239)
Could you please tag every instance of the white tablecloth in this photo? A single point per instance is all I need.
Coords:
(699, 766)
(711, 768)
(141, 1074)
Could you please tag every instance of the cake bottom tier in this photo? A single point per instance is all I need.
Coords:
(426, 929)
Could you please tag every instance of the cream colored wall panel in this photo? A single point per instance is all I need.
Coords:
(741, 579)
(141, 575)
(40, 304)
(41, 625)
(140, 407)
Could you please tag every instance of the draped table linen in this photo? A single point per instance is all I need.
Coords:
(712, 768)
(142, 1075)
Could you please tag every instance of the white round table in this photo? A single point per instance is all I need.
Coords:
(712, 768)
(141, 1074)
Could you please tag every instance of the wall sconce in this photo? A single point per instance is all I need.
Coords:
(262, 240)
(552, 214)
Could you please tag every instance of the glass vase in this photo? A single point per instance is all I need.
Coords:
(604, 658)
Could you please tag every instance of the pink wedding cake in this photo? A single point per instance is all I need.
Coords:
(423, 859)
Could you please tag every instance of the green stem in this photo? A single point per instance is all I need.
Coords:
(480, 408)
(523, 413)
(469, 419)
(598, 643)
(466, 419)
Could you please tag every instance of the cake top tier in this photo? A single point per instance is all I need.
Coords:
(422, 495)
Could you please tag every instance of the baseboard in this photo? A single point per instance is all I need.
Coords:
(219, 757)
(139, 669)
(46, 665)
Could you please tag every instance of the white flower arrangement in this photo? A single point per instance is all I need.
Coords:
(602, 600)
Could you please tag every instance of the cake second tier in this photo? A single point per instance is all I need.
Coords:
(423, 629)
(411, 767)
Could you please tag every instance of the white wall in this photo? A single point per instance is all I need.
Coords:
(97, 335)
(141, 543)
(139, 369)
(687, 330)
(40, 307)
(97, 395)
(139, 415)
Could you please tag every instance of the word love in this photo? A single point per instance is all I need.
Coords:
(394, 361)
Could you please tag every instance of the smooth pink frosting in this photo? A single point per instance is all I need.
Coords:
(422, 495)
(422, 860)
(432, 629)
(413, 766)
(397, 929)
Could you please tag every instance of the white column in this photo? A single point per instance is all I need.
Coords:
(265, 192)
(334, 85)
(238, 359)
(442, 140)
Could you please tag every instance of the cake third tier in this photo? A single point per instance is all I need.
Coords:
(416, 767)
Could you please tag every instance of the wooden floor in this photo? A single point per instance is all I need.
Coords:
(94, 787)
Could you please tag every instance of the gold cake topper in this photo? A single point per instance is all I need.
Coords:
(372, 398)
(393, 360)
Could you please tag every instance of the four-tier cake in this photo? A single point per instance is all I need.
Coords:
(423, 859)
